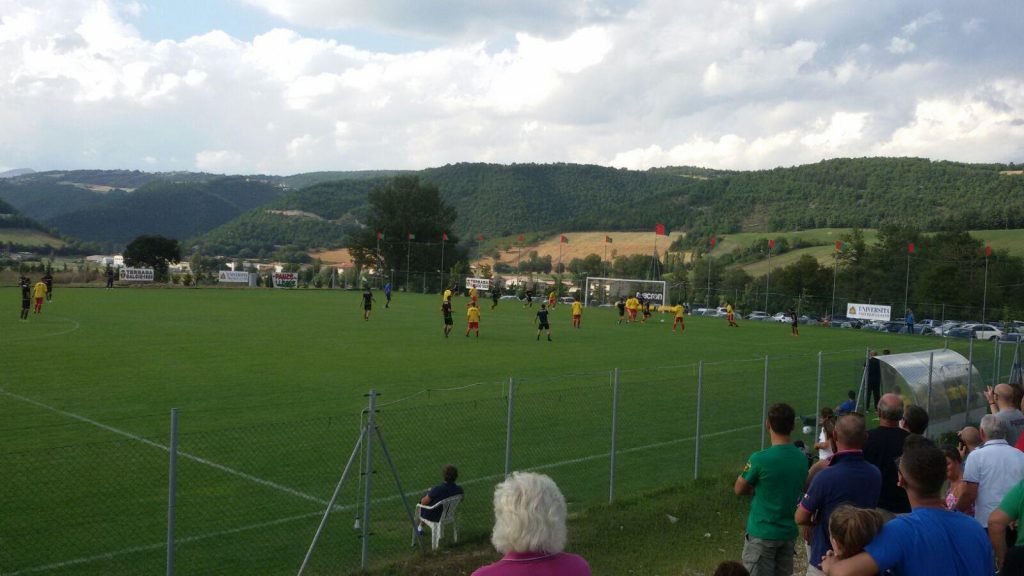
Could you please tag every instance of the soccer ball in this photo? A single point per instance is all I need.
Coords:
(808, 430)
(663, 320)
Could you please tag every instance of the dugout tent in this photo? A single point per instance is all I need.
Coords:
(944, 395)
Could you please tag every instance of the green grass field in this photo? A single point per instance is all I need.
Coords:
(29, 237)
(270, 385)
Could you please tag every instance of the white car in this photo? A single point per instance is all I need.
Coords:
(782, 317)
(985, 331)
(758, 315)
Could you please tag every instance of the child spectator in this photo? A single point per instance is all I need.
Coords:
(731, 568)
(851, 529)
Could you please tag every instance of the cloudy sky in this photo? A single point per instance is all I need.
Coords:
(287, 86)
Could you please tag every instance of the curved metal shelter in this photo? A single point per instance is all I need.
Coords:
(941, 381)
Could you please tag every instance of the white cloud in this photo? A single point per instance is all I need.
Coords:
(641, 83)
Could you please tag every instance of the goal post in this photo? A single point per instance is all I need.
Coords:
(599, 290)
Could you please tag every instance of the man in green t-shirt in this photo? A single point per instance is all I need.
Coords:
(1010, 510)
(775, 476)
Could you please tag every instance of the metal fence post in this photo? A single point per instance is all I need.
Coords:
(700, 394)
(931, 365)
(172, 480)
(995, 363)
(764, 402)
(370, 425)
(508, 426)
(970, 377)
(615, 421)
(817, 400)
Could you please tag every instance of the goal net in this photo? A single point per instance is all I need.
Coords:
(600, 291)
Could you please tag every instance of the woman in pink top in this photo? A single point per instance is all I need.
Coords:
(529, 529)
(955, 475)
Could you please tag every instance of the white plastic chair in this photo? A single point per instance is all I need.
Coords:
(448, 507)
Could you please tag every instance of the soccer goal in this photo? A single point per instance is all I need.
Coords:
(600, 291)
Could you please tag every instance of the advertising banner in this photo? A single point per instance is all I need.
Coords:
(136, 275)
(478, 283)
(229, 276)
(653, 297)
(869, 312)
(286, 280)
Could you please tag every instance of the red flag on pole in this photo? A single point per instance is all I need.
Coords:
(771, 243)
(563, 239)
(607, 239)
(988, 250)
(713, 241)
(839, 245)
(444, 236)
(380, 235)
(911, 248)
(522, 238)
(480, 237)
(660, 230)
(412, 236)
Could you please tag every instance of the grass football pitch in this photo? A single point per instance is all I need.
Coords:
(270, 386)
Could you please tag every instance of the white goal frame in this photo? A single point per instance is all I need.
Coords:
(648, 294)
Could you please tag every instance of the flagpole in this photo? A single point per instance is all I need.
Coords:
(707, 297)
(767, 279)
(442, 261)
(906, 286)
(835, 272)
(408, 254)
(984, 297)
(379, 265)
(604, 260)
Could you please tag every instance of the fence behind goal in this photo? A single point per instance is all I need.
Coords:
(250, 499)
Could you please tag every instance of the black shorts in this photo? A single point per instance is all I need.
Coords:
(25, 303)
(448, 321)
(544, 326)
(367, 307)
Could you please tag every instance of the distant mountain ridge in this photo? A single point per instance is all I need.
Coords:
(259, 214)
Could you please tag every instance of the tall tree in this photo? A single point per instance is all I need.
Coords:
(155, 252)
(411, 225)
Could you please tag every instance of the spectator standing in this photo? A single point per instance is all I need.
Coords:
(1010, 510)
(915, 419)
(910, 321)
(1000, 403)
(851, 529)
(955, 478)
(775, 476)
(848, 479)
(110, 277)
(387, 295)
(930, 540)
(529, 529)
(883, 447)
(824, 444)
(874, 380)
(991, 471)
(48, 280)
(968, 441)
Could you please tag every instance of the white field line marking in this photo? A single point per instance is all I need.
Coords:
(186, 455)
(491, 478)
(60, 333)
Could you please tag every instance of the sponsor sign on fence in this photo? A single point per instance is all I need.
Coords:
(478, 283)
(286, 280)
(136, 275)
(229, 276)
(869, 312)
(651, 297)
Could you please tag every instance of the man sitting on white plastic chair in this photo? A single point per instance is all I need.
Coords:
(442, 491)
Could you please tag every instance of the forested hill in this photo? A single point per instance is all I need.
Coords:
(866, 192)
(11, 218)
(173, 209)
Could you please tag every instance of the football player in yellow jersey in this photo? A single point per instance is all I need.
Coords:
(473, 295)
(577, 313)
(473, 319)
(552, 299)
(678, 309)
(447, 295)
(729, 316)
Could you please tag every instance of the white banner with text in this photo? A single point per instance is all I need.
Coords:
(869, 312)
(286, 280)
(478, 283)
(229, 276)
(136, 275)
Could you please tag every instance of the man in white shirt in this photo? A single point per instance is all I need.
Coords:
(991, 471)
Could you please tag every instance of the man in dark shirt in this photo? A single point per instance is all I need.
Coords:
(529, 299)
(495, 295)
(542, 322)
(48, 280)
(26, 296)
(446, 311)
(883, 448)
(621, 305)
(442, 491)
(367, 303)
(110, 277)
(874, 381)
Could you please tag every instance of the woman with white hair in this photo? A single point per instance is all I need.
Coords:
(529, 529)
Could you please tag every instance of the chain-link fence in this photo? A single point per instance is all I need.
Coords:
(250, 499)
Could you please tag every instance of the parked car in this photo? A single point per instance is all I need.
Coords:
(976, 331)
(929, 323)
(809, 319)
(918, 329)
(844, 322)
(758, 315)
(947, 326)
(566, 300)
(1013, 334)
(781, 317)
(874, 325)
